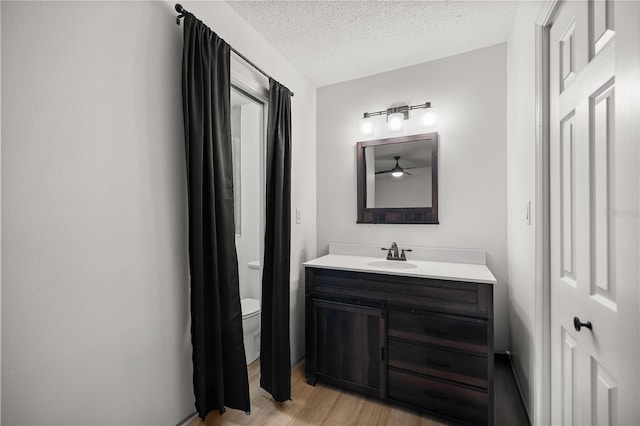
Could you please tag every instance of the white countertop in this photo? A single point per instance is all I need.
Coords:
(477, 273)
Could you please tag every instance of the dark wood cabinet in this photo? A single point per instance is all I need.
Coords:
(421, 342)
(348, 340)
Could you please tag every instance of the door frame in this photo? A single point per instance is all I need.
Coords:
(249, 82)
(542, 316)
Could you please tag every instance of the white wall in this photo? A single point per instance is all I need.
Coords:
(521, 132)
(95, 320)
(627, 152)
(469, 91)
(94, 227)
(0, 216)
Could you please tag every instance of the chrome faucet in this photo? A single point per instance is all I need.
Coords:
(394, 247)
(395, 255)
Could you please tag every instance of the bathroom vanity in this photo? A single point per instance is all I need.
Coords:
(418, 333)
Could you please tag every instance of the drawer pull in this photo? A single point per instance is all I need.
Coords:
(436, 394)
(436, 332)
(435, 363)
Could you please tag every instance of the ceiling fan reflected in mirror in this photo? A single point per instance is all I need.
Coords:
(397, 171)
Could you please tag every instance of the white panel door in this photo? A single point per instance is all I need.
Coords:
(583, 234)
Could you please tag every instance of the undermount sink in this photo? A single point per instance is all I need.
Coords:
(392, 264)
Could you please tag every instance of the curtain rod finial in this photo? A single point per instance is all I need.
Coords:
(181, 12)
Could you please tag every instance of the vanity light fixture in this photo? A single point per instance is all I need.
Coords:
(396, 117)
(366, 125)
(429, 118)
(395, 122)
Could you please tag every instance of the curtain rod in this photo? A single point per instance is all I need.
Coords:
(182, 11)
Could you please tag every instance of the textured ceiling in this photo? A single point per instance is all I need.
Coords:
(333, 41)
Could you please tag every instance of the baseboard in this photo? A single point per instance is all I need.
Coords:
(187, 419)
(296, 364)
(519, 386)
(501, 357)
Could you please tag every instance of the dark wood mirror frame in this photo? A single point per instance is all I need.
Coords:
(406, 215)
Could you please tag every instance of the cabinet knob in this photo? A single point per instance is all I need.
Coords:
(578, 324)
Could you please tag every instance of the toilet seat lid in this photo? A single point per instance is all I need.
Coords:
(250, 307)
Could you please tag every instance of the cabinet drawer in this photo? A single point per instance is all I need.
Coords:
(449, 399)
(469, 299)
(437, 362)
(464, 334)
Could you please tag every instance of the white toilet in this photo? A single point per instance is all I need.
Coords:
(251, 328)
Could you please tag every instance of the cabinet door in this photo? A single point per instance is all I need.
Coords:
(349, 345)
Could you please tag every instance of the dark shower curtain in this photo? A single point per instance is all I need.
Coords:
(219, 364)
(275, 358)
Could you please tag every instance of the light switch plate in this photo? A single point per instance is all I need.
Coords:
(527, 217)
(298, 215)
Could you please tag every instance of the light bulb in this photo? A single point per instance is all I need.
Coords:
(395, 122)
(429, 117)
(397, 174)
(366, 125)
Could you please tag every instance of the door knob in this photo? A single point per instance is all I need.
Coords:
(578, 325)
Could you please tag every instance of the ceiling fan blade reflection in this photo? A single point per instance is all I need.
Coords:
(384, 171)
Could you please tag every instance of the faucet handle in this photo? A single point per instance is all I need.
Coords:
(389, 256)
(403, 256)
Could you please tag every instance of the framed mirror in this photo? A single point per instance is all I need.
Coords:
(398, 180)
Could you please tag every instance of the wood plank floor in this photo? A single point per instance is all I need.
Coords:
(327, 405)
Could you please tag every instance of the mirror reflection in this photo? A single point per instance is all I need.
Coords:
(397, 179)
(398, 175)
